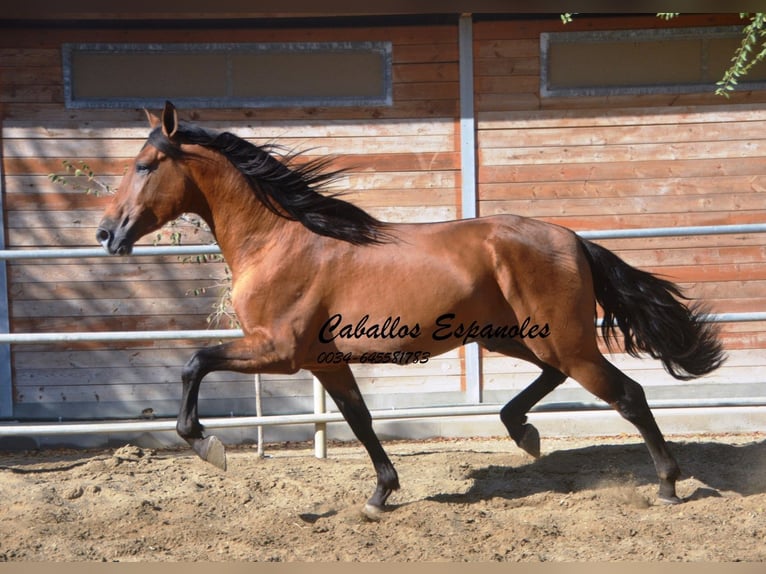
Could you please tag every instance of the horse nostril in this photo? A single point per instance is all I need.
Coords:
(103, 236)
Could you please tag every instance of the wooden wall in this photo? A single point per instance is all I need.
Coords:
(631, 161)
(587, 163)
(405, 168)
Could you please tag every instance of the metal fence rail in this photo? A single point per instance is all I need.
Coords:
(147, 251)
(320, 419)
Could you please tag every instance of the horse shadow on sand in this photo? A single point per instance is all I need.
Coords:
(718, 467)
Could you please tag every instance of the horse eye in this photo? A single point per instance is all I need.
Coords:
(143, 168)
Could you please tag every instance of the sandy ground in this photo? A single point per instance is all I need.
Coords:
(461, 500)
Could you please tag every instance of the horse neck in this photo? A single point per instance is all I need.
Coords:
(242, 226)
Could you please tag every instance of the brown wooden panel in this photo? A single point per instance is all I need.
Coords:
(637, 170)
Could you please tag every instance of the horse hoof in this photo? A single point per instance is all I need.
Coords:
(372, 513)
(211, 450)
(669, 500)
(530, 441)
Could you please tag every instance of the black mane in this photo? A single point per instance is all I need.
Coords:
(288, 190)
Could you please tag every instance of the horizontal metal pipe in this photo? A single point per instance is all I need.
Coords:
(721, 318)
(79, 337)
(76, 428)
(674, 231)
(84, 252)
(78, 252)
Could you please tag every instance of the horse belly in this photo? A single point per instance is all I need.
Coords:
(420, 309)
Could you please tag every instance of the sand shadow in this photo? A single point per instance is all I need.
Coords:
(720, 467)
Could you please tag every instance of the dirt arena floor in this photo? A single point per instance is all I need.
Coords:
(461, 500)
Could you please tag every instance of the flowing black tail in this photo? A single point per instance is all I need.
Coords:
(652, 317)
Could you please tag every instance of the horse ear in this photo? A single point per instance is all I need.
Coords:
(154, 121)
(169, 120)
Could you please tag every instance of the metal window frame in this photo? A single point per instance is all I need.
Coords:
(383, 49)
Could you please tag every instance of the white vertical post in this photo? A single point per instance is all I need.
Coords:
(320, 429)
(468, 178)
(259, 413)
(6, 384)
(467, 118)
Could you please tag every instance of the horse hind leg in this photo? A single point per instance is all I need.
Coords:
(514, 414)
(627, 397)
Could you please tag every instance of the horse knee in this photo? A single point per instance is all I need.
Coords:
(193, 369)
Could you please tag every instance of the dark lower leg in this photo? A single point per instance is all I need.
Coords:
(343, 389)
(632, 405)
(514, 414)
(188, 426)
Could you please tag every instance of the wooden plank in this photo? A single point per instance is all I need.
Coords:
(155, 306)
(659, 100)
(755, 202)
(83, 236)
(104, 270)
(392, 199)
(212, 390)
(444, 160)
(415, 214)
(622, 188)
(252, 129)
(120, 148)
(598, 221)
(681, 256)
(127, 392)
(596, 154)
(506, 86)
(61, 290)
(416, 109)
(621, 135)
(613, 171)
(29, 57)
(425, 72)
(81, 210)
(24, 38)
(52, 201)
(24, 188)
(29, 76)
(493, 67)
(508, 47)
(507, 102)
(33, 94)
(427, 53)
(692, 241)
(499, 28)
(426, 91)
(725, 113)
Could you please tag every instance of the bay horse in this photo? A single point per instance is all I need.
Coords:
(319, 284)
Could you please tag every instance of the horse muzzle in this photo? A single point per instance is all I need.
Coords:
(116, 242)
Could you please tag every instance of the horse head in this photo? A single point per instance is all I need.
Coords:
(152, 191)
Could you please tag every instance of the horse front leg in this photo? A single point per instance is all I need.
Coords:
(342, 387)
(242, 355)
(188, 426)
